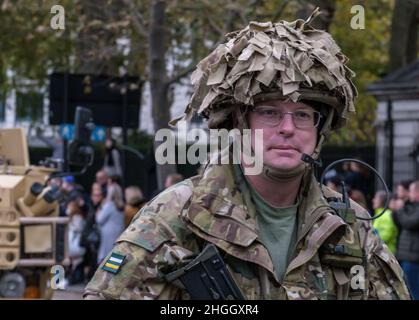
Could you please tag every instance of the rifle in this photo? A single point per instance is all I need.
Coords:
(206, 277)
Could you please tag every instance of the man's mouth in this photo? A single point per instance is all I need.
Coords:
(284, 147)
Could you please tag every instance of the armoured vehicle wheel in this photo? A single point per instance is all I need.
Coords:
(12, 285)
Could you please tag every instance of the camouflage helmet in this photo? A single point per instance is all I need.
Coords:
(265, 61)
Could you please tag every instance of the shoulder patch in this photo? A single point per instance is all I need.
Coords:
(148, 233)
(114, 262)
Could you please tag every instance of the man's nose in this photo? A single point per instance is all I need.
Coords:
(286, 125)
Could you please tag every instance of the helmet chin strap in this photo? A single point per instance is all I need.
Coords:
(308, 161)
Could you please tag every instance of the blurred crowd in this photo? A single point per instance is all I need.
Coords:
(99, 214)
(97, 218)
(397, 221)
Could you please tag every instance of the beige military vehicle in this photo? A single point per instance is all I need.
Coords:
(33, 237)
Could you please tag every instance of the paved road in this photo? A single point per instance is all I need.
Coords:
(71, 293)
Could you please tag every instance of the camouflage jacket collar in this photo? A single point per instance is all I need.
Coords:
(216, 196)
(220, 213)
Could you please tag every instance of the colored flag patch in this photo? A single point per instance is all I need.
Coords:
(114, 263)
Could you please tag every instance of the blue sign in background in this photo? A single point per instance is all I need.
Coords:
(67, 132)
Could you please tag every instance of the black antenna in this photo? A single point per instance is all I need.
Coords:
(369, 167)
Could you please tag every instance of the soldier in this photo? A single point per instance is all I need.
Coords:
(276, 231)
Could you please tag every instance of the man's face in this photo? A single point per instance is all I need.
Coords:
(284, 143)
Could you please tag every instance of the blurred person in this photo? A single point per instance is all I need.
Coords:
(172, 179)
(102, 180)
(91, 234)
(96, 195)
(403, 190)
(357, 178)
(114, 179)
(68, 184)
(112, 163)
(407, 220)
(334, 183)
(346, 170)
(75, 229)
(384, 225)
(70, 190)
(56, 182)
(395, 204)
(134, 201)
(331, 173)
(110, 219)
(359, 197)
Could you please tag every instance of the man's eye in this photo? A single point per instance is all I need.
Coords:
(304, 115)
(267, 112)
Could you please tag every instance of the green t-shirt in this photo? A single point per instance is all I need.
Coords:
(277, 228)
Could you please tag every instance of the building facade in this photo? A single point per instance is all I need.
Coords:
(397, 124)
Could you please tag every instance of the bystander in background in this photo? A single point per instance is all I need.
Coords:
(384, 225)
(134, 201)
(407, 220)
(110, 219)
(112, 163)
(75, 228)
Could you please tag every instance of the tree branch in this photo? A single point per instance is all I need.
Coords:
(252, 4)
(227, 28)
(243, 18)
(137, 18)
(191, 67)
(214, 26)
(228, 25)
(280, 10)
(182, 73)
